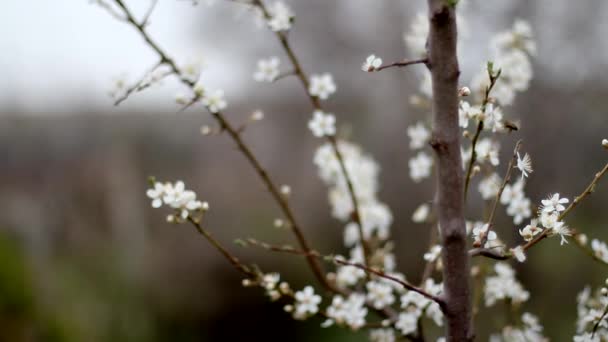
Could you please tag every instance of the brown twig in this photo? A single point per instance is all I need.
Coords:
(225, 125)
(401, 64)
(486, 99)
(146, 18)
(229, 256)
(484, 235)
(316, 103)
(139, 85)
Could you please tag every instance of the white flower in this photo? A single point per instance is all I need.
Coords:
(600, 250)
(420, 166)
(493, 118)
(214, 101)
(407, 323)
(605, 143)
(416, 38)
(322, 86)
(518, 253)
(489, 186)
(480, 229)
(350, 312)
(382, 335)
(307, 303)
(322, 124)
(421, 213)
(270, 281)
(176, 197)
(520, 209)
(513, 192)
(504, 286)
(530, 231)
(281, 16)
(267, 70)
(380, 294)
(487, 151)
(554, 203)
(348, 275)
(524, 164)
(464, 110)
(419, 135)
(560, 228)
(433, 253)
(371, 63)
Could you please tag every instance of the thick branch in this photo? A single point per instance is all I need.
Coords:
(443, 65)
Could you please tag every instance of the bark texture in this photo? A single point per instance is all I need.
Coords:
(443, 65)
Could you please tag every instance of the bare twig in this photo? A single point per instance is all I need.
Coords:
(229, 256)
(401, 64)
(484, 235)
(107, 7)
(139, 85)
(403, 283)
(146, 18)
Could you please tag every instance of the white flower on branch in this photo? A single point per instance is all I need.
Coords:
(600, 250)
(554, 203)
(433, 254)
(482, 230)
(420, 166)
(380, 294)
(493, 118)
(531, 230)
(281, 16)
(371, 63)
(307, 303)
(524, 164)
(350, 312)
(605, 143)
(322, 124)
(520, 209)
(504, 286)
(382, 335)
(214, 101)
(322, 86)
(560, 228)
(421, 213)
(489, 186)
(518, 253)
(415, 39)
(407, 322)
(176, 197)
(512, 192)
(487, 151)
(419, 135)
(348, 276)
(267, 70)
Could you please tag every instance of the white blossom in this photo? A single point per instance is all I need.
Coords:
(382, 335)
(433, 254)
(524, 164)
(214, 101)
(416, 38)
(322, 124)
(350, 312)
(419, 135)
(420, 166)
(480, 229)
(554, 203)
(530, 231)
(513, 192)
(600, 250)
(605, 143)
(504, 286)
(380, 294)
(371, 63)
(520, 209)
(487, 151)
(407, 322)
(322, 86)
(489, 186)
(175, 196)
(267, 70)
(307, 303)
(493, 117)
(518, 253)
(421, 213)
(281, 16)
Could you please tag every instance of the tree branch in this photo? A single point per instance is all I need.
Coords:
(234, 134)
(401, 64)
(443, 65)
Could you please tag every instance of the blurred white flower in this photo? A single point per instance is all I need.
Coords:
(371, 63)
(267, 70)
(322, 124)
(322, 86)
(214, 101)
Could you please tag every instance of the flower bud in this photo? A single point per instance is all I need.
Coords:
(464, 91)
(605, 143)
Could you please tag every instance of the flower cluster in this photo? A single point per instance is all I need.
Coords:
(281, 16)
(306, 304)
(503, 286)
(591, 310)
(350, 312)
(176, 196)
(529, 330)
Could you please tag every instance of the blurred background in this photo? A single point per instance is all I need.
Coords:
(83, 256)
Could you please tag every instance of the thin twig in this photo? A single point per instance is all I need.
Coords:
(146, 18)
(484, 235)
(316, 103)
(229, 256)
(139, 85)
(225, 125)
(403, 283)
(110, 10)
(401, 64)
(597, 324)
(486, 99)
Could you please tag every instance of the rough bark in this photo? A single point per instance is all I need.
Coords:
(443, 65)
